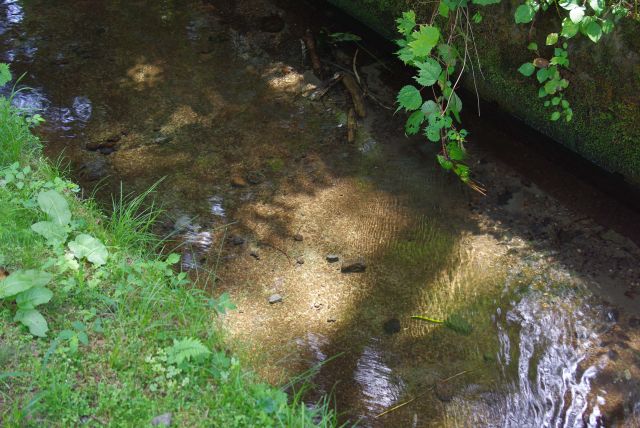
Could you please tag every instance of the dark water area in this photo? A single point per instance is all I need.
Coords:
(260, 186)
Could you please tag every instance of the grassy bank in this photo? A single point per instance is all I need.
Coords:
(97, 329)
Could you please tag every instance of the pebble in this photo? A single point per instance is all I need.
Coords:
(332, 258)
(300, 260)
(298, 237)
(255, 254)
(275, 298)
(354, 265)
(164, 420)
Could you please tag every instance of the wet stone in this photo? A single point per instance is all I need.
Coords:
(391, 326)
(94, 170)
(237, 240)
(162, 139)
(164, 420)
(275, 298)
(332, 258)
(353, 265)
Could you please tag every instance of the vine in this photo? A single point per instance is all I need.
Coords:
(443, 49)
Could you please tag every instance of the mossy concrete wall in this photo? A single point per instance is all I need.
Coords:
(605, 79)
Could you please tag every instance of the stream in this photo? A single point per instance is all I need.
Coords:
(215, 101)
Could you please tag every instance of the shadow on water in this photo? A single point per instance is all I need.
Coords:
(209, 95)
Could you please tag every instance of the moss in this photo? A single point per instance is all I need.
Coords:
(604, 91)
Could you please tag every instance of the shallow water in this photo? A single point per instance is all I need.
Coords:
(210, 97)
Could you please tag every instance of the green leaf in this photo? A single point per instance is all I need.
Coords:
(448, 165)
(425, 39)
(55, 234)
(406, 54)
(86, 246)
(413, 123)
(455, 103)
(477, 17)
(552, 39)
(485, 2)
(55, 206)
(22, 280)
(428, 72)
(524, 14)
(33, 320)
(455, 151)
(409, 98)
(607, 26)
(344, 37)
(555, 115)
(597, 6)
(448, 54)
(185, 349)
(222, 304)
(527, 69)
(406, 23)
(33, 297)
(576, 14)
(533, 46)
(173, 259)
(5, 74)
(593, 31)
(569, 28)
(443, 9)
(542, 75)
(551, 87)
(433, 133)
(430, 107)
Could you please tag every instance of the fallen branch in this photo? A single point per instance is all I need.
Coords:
(313, 53)
(356, 96)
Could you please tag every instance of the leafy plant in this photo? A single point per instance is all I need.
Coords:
(185, 350)
(441, 50)
(28, 289)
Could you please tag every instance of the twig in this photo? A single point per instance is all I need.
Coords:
(423, 394)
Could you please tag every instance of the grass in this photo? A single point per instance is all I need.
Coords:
(131, 310)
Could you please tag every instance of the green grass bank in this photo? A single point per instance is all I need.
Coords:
(605, 78)
(97, 328)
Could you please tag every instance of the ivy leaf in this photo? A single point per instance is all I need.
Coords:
(23, 280)
(33, 297)
(527, 69)
(524, 14)
(185, 349)
(55, 234)
(593, 31)
(409, 98)
(569, 28)
(54, 205)
(34, 320)
(5, 74)
(406, 23)
(576, 14)
(425, 39)
(552, 39)
(86, 246)
(429, 71)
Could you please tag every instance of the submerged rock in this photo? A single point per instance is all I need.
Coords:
(237, 181)
(332, 258)
(275, 298)
(353, 265)
(94, 170)
(392, 326)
